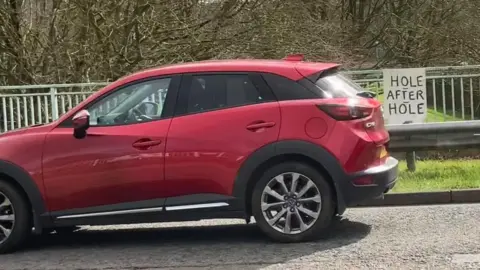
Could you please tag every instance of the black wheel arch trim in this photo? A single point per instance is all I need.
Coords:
(296, 147)
(25, 181)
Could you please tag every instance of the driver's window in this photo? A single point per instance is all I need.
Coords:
(132, 104)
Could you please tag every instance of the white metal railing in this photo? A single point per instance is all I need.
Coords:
(460, 85)
(27, 105)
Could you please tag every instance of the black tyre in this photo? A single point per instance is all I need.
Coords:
(15, 218)
(293, 202)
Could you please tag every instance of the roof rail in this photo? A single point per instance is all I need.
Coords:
(294, 57)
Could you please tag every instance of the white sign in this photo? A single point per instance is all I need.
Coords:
(405, 96)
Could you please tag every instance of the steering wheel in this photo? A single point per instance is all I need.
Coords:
(137, 114)
(143, 104)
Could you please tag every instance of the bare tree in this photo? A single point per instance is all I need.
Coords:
(52, 41)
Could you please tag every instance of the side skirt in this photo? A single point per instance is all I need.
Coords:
(182, 208)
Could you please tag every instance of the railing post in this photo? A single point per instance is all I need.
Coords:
(410, 155)
(54, 103)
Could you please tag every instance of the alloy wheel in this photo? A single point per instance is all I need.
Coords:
(291, 203)
(7, 217)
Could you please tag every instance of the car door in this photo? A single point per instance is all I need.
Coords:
(120, 163)
(220, 120)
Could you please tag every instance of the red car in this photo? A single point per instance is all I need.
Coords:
(289, 142)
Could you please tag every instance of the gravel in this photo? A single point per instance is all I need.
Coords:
(421, 237)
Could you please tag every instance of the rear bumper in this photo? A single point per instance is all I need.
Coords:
(383, 177)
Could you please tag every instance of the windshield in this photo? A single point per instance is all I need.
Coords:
(336, 85)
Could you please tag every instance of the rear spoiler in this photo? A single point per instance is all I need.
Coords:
(314, 77)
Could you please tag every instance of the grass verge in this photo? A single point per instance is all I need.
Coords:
(438, 175)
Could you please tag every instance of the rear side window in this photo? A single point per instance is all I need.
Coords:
(286, 89)
(211, 92)
(336, 85)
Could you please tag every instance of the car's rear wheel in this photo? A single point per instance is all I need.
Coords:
(292, 202)
(15, 218)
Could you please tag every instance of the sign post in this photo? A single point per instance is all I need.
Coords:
(405, 99)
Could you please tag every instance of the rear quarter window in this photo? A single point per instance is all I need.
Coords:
(336, 85)
(286, 89)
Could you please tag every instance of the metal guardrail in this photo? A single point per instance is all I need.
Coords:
(434, 128)
(434, 136)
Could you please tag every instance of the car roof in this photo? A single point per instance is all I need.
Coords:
(293, 70)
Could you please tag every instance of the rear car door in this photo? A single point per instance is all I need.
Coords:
(220, 119)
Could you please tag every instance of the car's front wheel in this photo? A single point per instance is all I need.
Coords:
(292, 202)
(15, 218)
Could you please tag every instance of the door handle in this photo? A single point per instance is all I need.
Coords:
(95, 134)
(260, 125)
(146, 143)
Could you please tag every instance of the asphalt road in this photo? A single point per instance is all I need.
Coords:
(426, 237)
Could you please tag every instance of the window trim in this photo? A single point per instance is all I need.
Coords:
(168, 107)
(184, 91)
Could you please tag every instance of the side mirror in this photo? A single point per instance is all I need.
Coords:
(81, 122)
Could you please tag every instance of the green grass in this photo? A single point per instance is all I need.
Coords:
(436, 175)
(437, 116)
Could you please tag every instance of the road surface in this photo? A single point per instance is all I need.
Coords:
(425, 237)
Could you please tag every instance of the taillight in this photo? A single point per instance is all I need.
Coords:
(381, 156)
(345, 112)
(382, 152)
